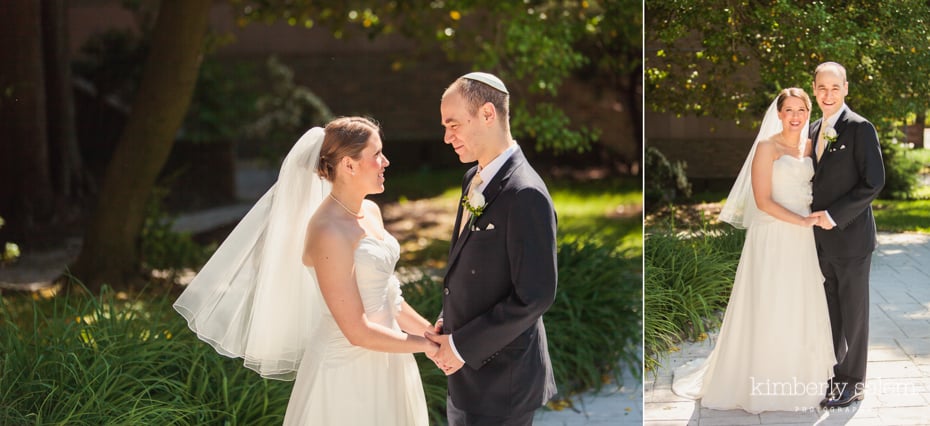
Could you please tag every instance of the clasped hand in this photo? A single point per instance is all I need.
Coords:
(443, 357)
(818, 218)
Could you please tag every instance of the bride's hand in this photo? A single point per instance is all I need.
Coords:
(809, 221)
(430, 348)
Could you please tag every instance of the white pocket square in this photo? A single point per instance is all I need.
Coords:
(489, 227)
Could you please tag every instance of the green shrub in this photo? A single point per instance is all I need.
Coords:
(596, 319)
(73, 359)
(162, 247)
(688, 281)
(666, 182)
(92, 361)
(901, 170)
(283, 112)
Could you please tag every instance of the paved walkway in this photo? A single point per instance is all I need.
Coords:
(613, 405)
(898, 377)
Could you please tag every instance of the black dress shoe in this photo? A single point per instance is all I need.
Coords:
(844, 398)
(833, 391)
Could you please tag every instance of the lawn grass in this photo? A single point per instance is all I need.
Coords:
(609, 211)
(605, 210)
(902, 215)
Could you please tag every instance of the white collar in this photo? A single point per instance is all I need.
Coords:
(487, 173)
(831, 120)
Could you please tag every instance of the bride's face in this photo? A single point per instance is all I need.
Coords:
(794, 113)
(371, 166)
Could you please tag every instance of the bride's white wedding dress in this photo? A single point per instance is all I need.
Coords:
(775, 348)
(342, 384)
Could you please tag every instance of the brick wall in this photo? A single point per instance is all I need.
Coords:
(390, 78)
(712, 148)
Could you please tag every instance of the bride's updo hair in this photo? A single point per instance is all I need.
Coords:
(344, 137)
(793, 92)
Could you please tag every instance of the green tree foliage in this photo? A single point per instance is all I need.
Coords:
(729, 58)
(538, 43)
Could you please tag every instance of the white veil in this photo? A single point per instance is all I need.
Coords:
(254, 299)
(740, 208)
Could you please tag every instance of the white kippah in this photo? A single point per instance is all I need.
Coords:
(489, 79)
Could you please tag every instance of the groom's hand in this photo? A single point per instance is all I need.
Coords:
(444, 358)
(822, 220)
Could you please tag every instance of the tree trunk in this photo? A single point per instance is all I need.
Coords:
(67, 171)
(111, 246)
(25, 187)
(919, 126)
(634, 96)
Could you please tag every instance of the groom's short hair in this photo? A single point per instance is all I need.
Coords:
(477, 94)
(830, 66)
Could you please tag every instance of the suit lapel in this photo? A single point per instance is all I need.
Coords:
(469, 175)
(491, 191)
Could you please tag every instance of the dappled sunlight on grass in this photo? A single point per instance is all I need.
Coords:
(902, 216)
(609, 211)
(624, 233)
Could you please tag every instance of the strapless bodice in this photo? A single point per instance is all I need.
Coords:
(791, 183)
(379, 289)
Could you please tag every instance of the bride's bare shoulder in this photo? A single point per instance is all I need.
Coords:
(766, 148)
(326, 233)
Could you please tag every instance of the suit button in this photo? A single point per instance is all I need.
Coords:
(473, 272)
(445, 291)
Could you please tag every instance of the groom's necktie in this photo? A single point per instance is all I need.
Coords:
(472, 187)
(820, 142)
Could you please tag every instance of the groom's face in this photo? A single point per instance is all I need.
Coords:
(831, 89)
(462, 128)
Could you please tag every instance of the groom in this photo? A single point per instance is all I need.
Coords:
(848, 175)
(502, 270)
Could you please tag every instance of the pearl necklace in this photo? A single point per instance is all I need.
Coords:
(353, 213)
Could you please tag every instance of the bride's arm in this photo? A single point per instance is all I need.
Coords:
(762, 164)
(411, 321)
(332, 256)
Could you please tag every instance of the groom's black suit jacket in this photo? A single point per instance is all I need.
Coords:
(499, 283)
(849, 175)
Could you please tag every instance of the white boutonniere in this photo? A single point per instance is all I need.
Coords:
(830, 135)
(475, 204)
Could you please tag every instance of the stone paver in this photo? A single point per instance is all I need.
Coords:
(898, 375)
(613, 405)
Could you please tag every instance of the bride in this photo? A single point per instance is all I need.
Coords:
(774, 351)
(304, 288)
